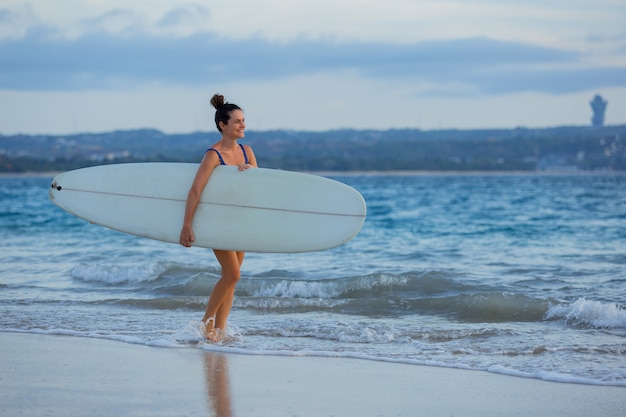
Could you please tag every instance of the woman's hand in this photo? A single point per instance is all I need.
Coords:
(243, 167)
(187, 237)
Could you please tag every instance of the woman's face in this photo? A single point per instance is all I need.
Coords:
(236, 125)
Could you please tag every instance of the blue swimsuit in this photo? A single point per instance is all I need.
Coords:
(245, 156)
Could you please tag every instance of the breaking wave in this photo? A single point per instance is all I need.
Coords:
(587, 313)
(171, 285)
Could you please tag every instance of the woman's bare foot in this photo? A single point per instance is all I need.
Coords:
(210, 332)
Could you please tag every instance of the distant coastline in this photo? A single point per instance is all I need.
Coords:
(560, 149)
(414, 173)
(32, 174)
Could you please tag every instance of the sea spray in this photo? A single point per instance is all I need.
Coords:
(588, 313)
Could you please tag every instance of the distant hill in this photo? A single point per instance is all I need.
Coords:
(561, 148)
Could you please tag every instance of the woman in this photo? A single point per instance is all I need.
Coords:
(229, 119)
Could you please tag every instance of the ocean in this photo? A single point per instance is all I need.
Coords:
(521, 275)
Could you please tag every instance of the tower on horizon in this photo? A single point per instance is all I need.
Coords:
(598, 105)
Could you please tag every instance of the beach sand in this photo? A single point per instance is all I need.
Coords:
(71, 376)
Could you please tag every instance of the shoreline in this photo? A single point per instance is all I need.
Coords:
(65, 375)
(390, 173)
(426, 173)
(29, 174)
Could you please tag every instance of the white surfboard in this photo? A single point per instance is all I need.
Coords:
(256, 210)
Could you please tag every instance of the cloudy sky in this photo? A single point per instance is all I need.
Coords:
(69, 66)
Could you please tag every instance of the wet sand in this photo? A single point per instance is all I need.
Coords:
(70, 376)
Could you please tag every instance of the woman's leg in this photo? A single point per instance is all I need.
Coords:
(221, 317)
(221, 299)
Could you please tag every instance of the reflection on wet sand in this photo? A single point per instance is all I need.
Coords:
(218, 384)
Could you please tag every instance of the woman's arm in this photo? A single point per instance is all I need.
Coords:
(208, 164)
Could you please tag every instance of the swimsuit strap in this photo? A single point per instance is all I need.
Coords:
(244, 153)
(219, 155)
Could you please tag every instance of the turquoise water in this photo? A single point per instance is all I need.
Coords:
(516, 274)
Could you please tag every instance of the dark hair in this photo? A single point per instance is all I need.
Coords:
(222, 110)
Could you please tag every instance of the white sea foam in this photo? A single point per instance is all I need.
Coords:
(192, 333)
(589, 313)
(112, 273)
(329, 288)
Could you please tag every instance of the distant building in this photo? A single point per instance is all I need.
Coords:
(598, 105)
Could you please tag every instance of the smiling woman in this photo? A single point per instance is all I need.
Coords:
(230, 122)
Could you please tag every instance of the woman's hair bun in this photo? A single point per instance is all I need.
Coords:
(217, 101)
(223, 109)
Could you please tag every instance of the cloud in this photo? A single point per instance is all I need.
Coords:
(113, 21)
(185, 15)
(106, 60)
(17, 21)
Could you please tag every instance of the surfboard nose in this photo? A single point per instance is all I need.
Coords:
(53, 187)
